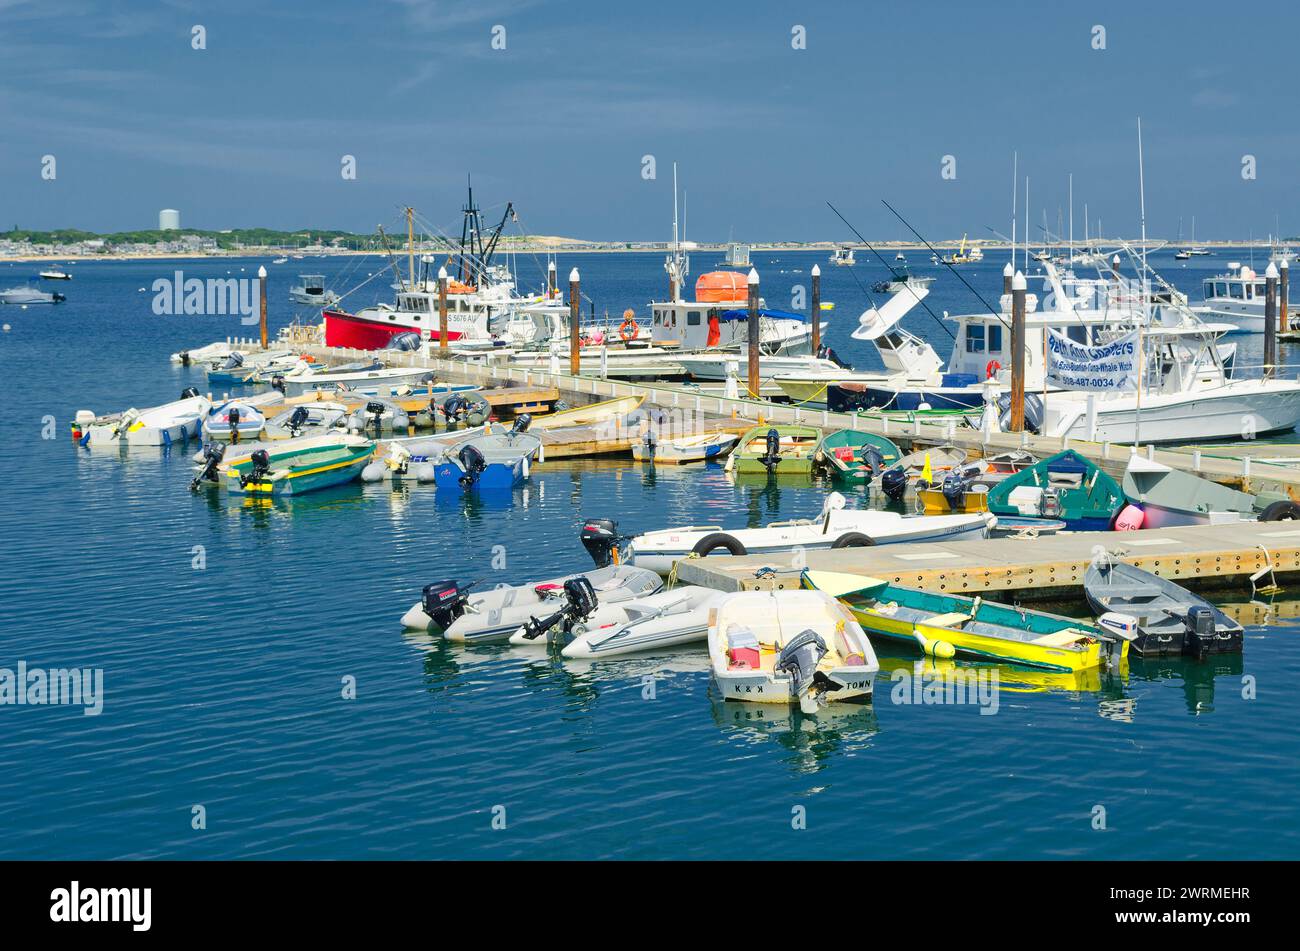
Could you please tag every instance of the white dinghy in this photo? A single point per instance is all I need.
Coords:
(836, 527)
(450, 608)
(789, 647)
(160, 426)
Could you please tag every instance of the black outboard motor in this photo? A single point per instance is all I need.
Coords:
(232, 418)
(894, 483)
(213, 453)
(277, 383)
(954, 488)
(600, 537)
(189, 393)
(1200, 630)
(258, 472)
(799, 659)
(772, 451)
(579, 603)
(473, 463)
(826, 353)
(234, 361)
(650, 444)
(298, 420)
(444, 601)
(873, 460)
(521, 425)
(376, 410)
(455, 408)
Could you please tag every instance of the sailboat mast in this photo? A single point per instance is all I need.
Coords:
(1015, 193)
(410, 246)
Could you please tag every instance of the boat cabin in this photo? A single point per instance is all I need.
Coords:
(718, 318)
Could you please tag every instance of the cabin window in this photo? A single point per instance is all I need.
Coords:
(1220, 289)
(1209, 289)
(1235, 289)
(692, 318)
(975, 338)
(995, 340)
(1260, 290)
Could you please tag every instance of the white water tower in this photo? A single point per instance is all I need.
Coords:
(169, 219)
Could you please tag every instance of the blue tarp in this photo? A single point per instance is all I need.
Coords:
(779, 314)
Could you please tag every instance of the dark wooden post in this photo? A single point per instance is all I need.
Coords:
(1284, 296)
(1270, 321)
(1018, 353)
(754, 331)
(261, 286)
(550, 280)
(442, 309)
(816, 311)
(575, 316)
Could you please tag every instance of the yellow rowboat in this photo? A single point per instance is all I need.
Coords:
(588, 415)
(944, 625)
(934, 502)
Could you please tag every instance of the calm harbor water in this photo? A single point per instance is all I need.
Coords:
(224, 682)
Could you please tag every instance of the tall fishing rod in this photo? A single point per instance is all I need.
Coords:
(937, 256)
(898, 275)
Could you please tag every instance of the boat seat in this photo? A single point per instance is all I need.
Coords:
(952, 619)
(1130, 591)
(1060, 638)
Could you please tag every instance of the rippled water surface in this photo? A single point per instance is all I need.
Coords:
(223, 685)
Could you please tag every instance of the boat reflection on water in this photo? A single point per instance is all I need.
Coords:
(1196, 676)
(811, 740)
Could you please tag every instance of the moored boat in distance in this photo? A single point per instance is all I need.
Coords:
(311, 290)
(22, 296)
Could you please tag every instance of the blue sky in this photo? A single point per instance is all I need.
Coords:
(251, 131)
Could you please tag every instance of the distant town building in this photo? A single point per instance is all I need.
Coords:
(169, 219)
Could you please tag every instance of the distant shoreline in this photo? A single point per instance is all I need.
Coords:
(986, 247)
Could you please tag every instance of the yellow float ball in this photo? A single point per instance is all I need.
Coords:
(942, 649)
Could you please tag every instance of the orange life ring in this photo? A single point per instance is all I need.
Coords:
(629, 329)
(992, 369)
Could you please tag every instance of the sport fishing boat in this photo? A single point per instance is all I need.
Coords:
(946, 625)
(298, 468)
(1169, 618)
(1065, 486)
(23, 296)
(1237, 298)
(843, 257)
(450, 609)
(856, 456)
(835, 527)
(159, 426)
(789, 647)
(777, 450)
(311, 290)
(700, 447)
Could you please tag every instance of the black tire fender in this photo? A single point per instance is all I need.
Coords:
(1282, 511)
(853, 540)
(711, 543)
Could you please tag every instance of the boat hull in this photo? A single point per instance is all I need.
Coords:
(343, 329)
(496, 476)
(848, 398)
(1228, 412)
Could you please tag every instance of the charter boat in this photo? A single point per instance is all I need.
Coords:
(718, 319)
(836, 527)
(943, 625)
(789, 647)
(1237, 298)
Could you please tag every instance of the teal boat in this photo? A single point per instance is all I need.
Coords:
(856, 456)
(1065, 486)
(295, 471)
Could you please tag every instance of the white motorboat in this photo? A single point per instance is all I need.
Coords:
(307, 419)
(843, 257)
(55, 274)
(208, 353)
(1237, 298)
(311, 290)
(836, 527)
(234, 421)
(384, 380)
(459, 615)
(22, 296)
(663, 620)
(788, 647)
(159, 426)
(721, 366)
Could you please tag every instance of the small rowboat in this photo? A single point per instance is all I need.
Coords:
(299, 469)
(160, 426)
(1065, 486)
(701, 447)
(776, 450)
(944, 625)
(856, 456)
(789, 647)
(1170, 619)
(234, 421)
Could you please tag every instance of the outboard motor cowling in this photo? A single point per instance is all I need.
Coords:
(873, 460)
(894, 483)
(600, 538)
(298, 420)
(799, 659)
(444, 602)
(260, 469)
(189, 393)
(375, 410)
(277, 383)
(579, 602)
(1200, 629)
(232, 421)
(213, 453)
(954, 490)
(472, 461)
(771, 451)
(826, 353)
(521, 425)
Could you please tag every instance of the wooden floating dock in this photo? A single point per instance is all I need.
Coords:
(1050, 568)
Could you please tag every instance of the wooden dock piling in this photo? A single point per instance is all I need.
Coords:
(261, 290)
(443, 342)
(754, 331)
(1018, 288)
(815, 309)
(1270, 321)
(575, 315)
